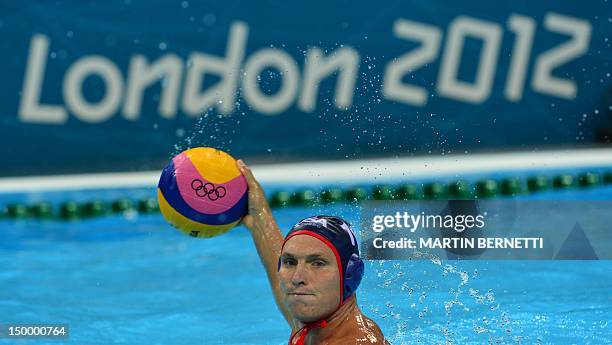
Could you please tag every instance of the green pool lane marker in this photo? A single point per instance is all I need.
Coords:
(460, 190)
(434, 191)
(332, 195)
(383, 192)
(17, 211)
(406, 192)
(304, 197)
(280, 199)
(563, 181)
(537, 183)
(69, 210)
(95, 208)
(42, 210)
(122, 205)
(148, 205)
(511, 186)
(588, 180)
(488, 188)
(357, 194)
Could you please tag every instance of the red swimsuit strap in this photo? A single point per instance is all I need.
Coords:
(306, 329)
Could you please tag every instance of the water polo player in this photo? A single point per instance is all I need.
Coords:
(314, 272)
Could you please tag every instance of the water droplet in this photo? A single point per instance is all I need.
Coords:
(209, 19)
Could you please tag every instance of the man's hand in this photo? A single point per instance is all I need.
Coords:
(259, 214)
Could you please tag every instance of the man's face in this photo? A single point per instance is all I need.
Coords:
(309, 278)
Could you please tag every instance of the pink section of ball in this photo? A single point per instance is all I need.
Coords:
(186, 173)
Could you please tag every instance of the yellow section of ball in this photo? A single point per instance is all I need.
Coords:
(216, 166)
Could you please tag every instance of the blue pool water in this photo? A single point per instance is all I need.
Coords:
(134, 280)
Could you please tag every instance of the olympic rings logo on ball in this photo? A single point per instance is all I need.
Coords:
(208, 190)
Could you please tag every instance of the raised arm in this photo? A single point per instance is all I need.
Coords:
(266, 235)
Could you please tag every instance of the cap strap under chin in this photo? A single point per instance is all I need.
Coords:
(304, 331)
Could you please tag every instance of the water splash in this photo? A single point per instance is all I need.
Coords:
(439, 303)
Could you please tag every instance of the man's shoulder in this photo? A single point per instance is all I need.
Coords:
(366, 332)
(360, 339)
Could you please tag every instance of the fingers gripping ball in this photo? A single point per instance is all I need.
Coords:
(202, 192)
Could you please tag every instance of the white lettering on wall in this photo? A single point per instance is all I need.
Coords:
(30, 109)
